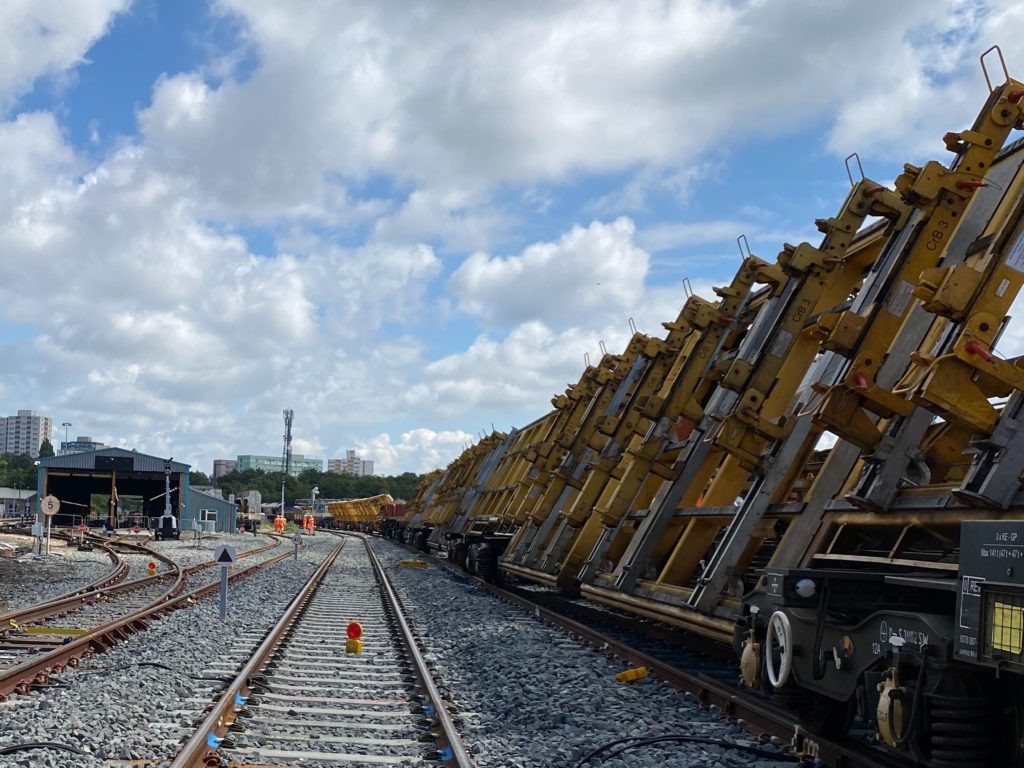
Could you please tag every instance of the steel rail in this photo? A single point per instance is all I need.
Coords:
(22, 615)
(449, 735)
(224, 712)
(20, 678)
(86, 596)
(759, 715)
(97, 591)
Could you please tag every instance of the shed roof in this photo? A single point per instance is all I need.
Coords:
(141, 462)
(201, 500)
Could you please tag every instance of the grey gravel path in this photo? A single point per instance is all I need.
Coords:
(117, 706)
(532, 697)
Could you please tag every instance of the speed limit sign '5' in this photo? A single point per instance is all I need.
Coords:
(50, 505)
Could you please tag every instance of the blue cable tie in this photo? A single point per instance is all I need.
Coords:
(446, 753)
(213, 741)
(239, 699)
(430, 709)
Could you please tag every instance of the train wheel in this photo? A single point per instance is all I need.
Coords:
(1009, 719)
(487, 563)
(826, 717)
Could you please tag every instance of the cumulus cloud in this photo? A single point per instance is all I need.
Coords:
(515, 375)
(418, 450)
(373, 141)
(588, 270)
(48, 37)
(146, 322)
(415, 92)
(930, 82)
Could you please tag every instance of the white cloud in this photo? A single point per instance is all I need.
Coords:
(461, 218)
(516, 375)
(150, 325)
(931, 81)
(632, 196)
(588, 270)
(418, 450)
(48, 37)
(345, 91)
(153, 325)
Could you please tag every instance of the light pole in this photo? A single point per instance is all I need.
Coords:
(312, 496)
(66, 424)
(283, 476)
(167, 488)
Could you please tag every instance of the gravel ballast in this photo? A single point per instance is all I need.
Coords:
(25, 581)
(532, 697)
(186, 551)
(118, 706)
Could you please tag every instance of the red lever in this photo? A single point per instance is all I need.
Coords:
(974, 348)
(749, 413)
(970, 184)
(1014, 96)
(860, 382)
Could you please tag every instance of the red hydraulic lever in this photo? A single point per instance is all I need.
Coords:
(974, 348)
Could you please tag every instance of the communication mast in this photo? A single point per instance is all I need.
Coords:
(286, 454)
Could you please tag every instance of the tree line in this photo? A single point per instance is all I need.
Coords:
(332, 485)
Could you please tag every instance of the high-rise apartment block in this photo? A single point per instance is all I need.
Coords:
(25, 432)
(222, 467)
(350, 465)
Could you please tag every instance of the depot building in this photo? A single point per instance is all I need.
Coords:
(122, 488)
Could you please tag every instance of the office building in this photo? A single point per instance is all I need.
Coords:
(273, 463)
(25, 432)
(80, 444)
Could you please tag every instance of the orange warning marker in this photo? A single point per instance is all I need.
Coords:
(354, 631)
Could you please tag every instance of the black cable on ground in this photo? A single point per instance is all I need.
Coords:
(643, 741)
(39, 745)
(217, 678)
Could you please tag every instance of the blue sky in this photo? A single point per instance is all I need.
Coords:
(408, 221)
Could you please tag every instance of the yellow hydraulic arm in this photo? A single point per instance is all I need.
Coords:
(752, 394)
(709, 328)
(584, 444)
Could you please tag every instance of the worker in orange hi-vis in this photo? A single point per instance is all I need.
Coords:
(279, 524)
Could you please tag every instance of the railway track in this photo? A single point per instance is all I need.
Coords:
(118, 571)
(46, 637)
(761, 717)
(302, 699)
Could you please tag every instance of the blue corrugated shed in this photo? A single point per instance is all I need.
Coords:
(141, 462)
(197, 501)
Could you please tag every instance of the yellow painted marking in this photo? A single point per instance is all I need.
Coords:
(629, 675)
(1008, 628)
(54, 631)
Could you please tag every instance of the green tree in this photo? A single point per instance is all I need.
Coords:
(198, 478)
(45, 448)
(332, 485)
(17, 470)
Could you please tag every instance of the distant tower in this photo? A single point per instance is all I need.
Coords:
(286, 455)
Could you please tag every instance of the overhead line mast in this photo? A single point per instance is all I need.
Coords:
(286, 454)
